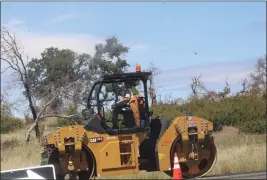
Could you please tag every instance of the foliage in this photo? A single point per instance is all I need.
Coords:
(71, 110)
(245, 112)
(58, 67)
(55, 69)
(10, 124)
(61, 122)
(5, 109)
(108, 60)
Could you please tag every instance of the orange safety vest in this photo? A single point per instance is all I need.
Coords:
(138, 106)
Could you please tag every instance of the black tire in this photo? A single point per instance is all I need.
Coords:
(84, 175)
(54, 160)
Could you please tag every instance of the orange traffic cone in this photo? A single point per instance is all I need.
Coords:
(177, 173)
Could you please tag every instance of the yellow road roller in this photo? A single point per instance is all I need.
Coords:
(118, 135)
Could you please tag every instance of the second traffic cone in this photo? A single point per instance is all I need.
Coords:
(177, 172)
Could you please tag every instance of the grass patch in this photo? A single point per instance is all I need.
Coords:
(239, 152)
(10, 124)
(16, 154)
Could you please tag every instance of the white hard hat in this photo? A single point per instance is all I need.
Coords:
(127, 96)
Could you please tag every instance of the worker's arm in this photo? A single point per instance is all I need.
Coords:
(124, 99)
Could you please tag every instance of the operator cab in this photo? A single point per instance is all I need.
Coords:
(119, 93)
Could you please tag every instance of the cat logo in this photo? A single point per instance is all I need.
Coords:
(96, 140)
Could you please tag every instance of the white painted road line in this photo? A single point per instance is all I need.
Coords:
(252, 175)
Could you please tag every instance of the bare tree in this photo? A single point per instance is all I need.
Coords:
(7, 105)
(244, 91)
(260, 71)
(226, 90)
(211, 95)
(11, 53)
(197, 87)
(258, 77)
(152, 89)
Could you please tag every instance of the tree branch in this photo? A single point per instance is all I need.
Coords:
(38, 117)
(44, 108)
(5, 69)
(9, 63)
(57, 116)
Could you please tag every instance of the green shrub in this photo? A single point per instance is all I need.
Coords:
(71, 110)
(61, 122)
(245, 112)
(10, 124)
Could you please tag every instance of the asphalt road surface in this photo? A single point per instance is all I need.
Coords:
(252, 175)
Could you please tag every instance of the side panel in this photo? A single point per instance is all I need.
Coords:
(110, 155)
(98, 148)
(118, 155)
(179, 127)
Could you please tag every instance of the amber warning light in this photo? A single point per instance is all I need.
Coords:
(138, 68)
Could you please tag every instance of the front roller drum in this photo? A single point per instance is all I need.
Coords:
(205, 162)
(53, 158)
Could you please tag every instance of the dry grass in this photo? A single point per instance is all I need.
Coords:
(239, 153)
(236, 153)
(15, 153)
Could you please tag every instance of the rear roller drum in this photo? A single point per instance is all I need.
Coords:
(205, 162)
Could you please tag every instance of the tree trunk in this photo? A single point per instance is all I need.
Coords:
(37, 132)
(153, 96)
(33, 111)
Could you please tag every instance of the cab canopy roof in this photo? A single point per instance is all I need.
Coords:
(122, 77)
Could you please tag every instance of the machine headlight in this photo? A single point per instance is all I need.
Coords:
(69, 145)
(69, 149)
